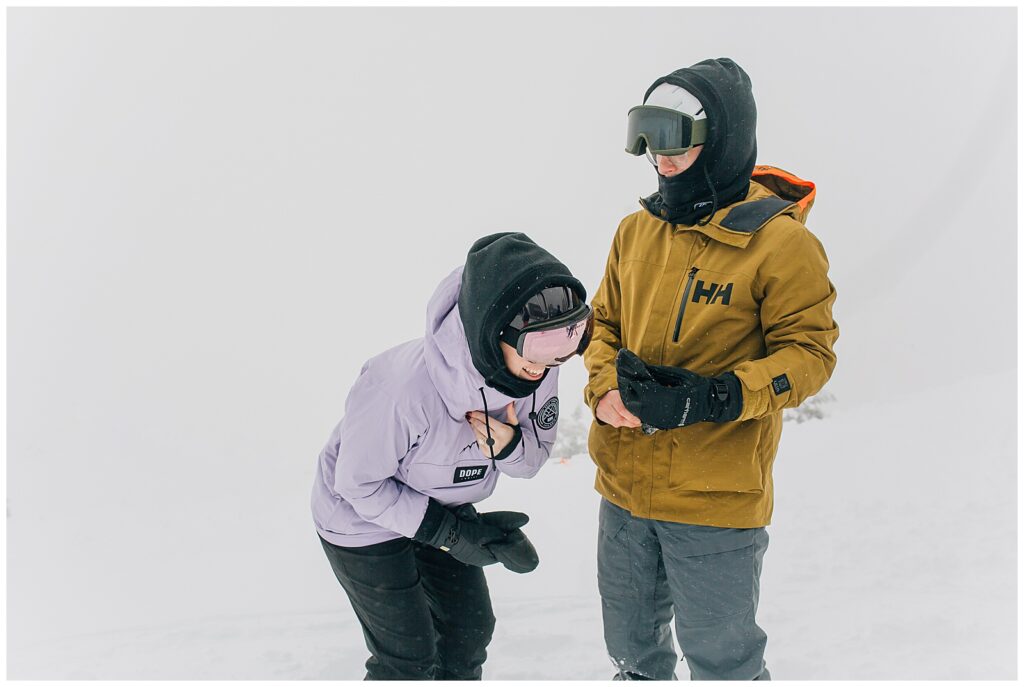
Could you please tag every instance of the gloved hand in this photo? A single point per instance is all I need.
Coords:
(466, 540)
(668, 397)
(515, 551)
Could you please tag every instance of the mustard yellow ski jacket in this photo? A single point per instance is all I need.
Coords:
(748, 292)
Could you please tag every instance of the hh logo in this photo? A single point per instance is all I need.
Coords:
(716, 293)
(470, 474)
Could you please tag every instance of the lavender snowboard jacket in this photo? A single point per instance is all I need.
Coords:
(404, 437)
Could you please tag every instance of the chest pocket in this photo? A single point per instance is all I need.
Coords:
(469, 473)
(638, 283)
(472, 475)
(709, 297)
(447, 460)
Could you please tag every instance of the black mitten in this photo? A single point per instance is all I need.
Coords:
(516, 551)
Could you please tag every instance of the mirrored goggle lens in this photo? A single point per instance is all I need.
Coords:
(552, 302)
(657, 129)
(555, 346)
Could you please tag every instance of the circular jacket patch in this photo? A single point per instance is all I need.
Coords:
(548, 414)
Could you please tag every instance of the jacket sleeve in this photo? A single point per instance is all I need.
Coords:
(528, 457)
(599, 357)
(534, 448)
(374, 437)
(798, 329)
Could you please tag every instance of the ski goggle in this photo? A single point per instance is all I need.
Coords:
(663, 131)
(553, 343)
(552, 327)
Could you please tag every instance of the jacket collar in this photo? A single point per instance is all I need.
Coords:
(773, 192)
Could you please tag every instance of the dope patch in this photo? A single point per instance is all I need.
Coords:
(469, 474)
(548, 414)
(780, 384)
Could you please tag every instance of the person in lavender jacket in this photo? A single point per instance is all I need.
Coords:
(429, 426)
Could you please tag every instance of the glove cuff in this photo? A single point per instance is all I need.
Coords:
(726, 398)
(438, 527)
(517, 436)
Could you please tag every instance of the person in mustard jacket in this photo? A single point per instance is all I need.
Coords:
(713, 315)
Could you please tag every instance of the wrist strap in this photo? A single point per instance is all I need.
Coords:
(726, 398)
(720, 390)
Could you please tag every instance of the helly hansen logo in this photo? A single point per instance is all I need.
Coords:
(716, 293)
(469, 474)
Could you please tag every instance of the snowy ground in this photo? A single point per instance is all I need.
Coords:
(890, 559)
(325, 645)
(187, 311)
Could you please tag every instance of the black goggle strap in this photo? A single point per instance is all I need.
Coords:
(510, 335)
(588, 333)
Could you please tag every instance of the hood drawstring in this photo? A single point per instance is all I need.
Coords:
(533, 417)
(714, 198)
(487, 423)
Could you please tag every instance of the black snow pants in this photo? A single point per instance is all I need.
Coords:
(425, 615)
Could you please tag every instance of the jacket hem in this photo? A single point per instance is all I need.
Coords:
(354, 540)
(711, 509)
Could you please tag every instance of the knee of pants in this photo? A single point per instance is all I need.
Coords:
(463, 648)
(478, 628)
(487, 627)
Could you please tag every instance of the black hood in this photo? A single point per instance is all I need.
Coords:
(730, 152)
(502, 272)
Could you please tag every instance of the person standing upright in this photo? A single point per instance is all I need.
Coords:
(713, 315)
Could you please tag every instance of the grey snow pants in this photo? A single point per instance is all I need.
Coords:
(707, 577)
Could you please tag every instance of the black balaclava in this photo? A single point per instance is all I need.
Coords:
(721, 174)
(502, 272)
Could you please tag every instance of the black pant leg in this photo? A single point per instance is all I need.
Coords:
(383, 583)
(461, 607)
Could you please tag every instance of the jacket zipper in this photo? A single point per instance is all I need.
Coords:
(682, 306)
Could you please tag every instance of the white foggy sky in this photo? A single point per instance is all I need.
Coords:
(216, 215)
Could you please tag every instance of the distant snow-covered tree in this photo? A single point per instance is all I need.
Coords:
(573, 429)
(813, 408)
(574, 426)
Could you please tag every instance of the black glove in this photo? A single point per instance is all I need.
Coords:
(465, 540)
(669, 397)
(515, 551)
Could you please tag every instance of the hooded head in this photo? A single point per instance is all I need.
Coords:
(502, 272)
(720, 90)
